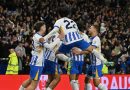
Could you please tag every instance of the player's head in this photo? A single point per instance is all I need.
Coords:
(80, 26)
(93, 29)
(63, 11)
(40, 27)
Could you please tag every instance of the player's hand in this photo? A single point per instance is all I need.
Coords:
(61, 33)
(41, 40)
(76, 50)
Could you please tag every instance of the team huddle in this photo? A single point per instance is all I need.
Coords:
(67, 43)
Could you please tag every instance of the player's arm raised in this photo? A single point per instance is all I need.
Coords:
(53, 44)
(56, 29)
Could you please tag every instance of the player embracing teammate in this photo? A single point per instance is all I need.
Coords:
(72, 43)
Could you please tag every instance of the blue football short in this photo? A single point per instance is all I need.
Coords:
(50, 67)
(94, 71)
(76, 67)
(35, 72)
(82, 44)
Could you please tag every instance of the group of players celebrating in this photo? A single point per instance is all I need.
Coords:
(67, 43)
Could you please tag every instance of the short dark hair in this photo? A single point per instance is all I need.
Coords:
(96, 27)
(38, 25)
(80, 26)
(63, 11)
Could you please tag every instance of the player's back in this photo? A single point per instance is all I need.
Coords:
(70, 28)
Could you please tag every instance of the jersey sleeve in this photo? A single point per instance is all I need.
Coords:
(51, 45)
(57, 24)
(96, 42)
(55, 29)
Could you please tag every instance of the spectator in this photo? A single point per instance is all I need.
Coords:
(102, 28)
(12, 67)
(124, 63)
(20, 51)
(27, 59)
(128, 65)
(117, 63)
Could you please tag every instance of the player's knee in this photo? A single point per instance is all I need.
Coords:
(26, 83)
(34, 84)
(29, 80)
(96, 83)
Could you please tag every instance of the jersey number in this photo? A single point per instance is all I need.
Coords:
(70, 24)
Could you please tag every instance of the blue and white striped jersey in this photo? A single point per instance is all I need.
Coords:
(39, 48)
(37, 51)
(77, 57)
(50, 54)
(80, 57)
(70, 28)
(95, 41)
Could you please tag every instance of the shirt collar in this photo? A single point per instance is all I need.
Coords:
(93, 37)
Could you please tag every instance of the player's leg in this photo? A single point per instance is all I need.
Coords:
(73, 82)
(88, 85)
(50, 79)
(33, 85)
(54, 71)
(77, 82)
(25, 84)
(98, 84)
(54, 82)
(63, 49)
(63, 57)
(97, 76)
(73, 67)
(35, 73)
(80, 69)
(72, 78)
(47, 71)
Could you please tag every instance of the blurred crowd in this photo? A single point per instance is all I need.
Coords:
(17, 18)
